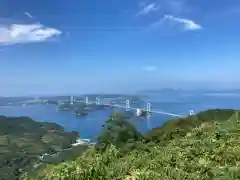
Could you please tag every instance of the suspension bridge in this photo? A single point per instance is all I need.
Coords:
(128, 107)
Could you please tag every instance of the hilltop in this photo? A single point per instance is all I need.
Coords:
(202, 147)
(23, 140)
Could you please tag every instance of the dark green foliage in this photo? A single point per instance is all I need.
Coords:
(25, 125)
(201, 147)
(211, 151)
(69, 154)
(51, 126)
(179, 127)
(22, 140)
(119, 132)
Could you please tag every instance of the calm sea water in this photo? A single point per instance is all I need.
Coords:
(90, 126)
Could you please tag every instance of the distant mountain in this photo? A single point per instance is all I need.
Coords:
(164, 90)
(13, 100)
(236, 91)
(181, 91)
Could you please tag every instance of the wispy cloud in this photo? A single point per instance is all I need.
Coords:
(146, 9)
(188, 24)
(149, 68)
(28, 15)
(26, 33)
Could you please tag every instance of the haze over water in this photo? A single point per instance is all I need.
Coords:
(89, 126)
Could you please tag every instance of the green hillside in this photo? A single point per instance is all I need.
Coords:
(23, 140)
(201, 147)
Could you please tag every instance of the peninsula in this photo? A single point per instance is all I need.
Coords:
(23, 141)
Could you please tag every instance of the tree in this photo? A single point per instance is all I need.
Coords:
(118, 132)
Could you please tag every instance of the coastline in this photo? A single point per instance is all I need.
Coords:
(30, 141)
(80, 141)
(78, 144)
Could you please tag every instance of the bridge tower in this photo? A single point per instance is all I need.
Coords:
(86, 100)
(191, 112)
(148, 107)
(97, 101)
(127, 104)
(71, 100)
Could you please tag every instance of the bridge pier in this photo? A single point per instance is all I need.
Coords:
(97, 101)
(127, 104)
(71, 100)
(86, 100)
(138, 112)
(191, 112)
(148, 107)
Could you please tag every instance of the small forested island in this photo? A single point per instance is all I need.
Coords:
(23, 141)
(80, 109)
(80, 112)
(205, 146)
(64, 107)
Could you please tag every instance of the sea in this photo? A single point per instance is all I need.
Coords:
(90, 126)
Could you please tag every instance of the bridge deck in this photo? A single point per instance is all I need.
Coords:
(120, 106)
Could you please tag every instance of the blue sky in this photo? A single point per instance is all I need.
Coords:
(80, 46)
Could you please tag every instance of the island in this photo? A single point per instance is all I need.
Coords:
(80, 109)
(64, 107)
(80, 112)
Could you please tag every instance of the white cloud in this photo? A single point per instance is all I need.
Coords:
(26, 33)
(150, 68)
(148, 8)
(28, 14)
(187, 23)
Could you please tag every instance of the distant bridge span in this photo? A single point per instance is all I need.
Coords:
(127, 106)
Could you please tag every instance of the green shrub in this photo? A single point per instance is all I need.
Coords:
(209, 151)
(118, 132)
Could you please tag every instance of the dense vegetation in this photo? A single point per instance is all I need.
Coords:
(118, 132)
(202, 147)
(179, 128)
(22, 140)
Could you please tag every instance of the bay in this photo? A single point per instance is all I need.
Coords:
(90, 126)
